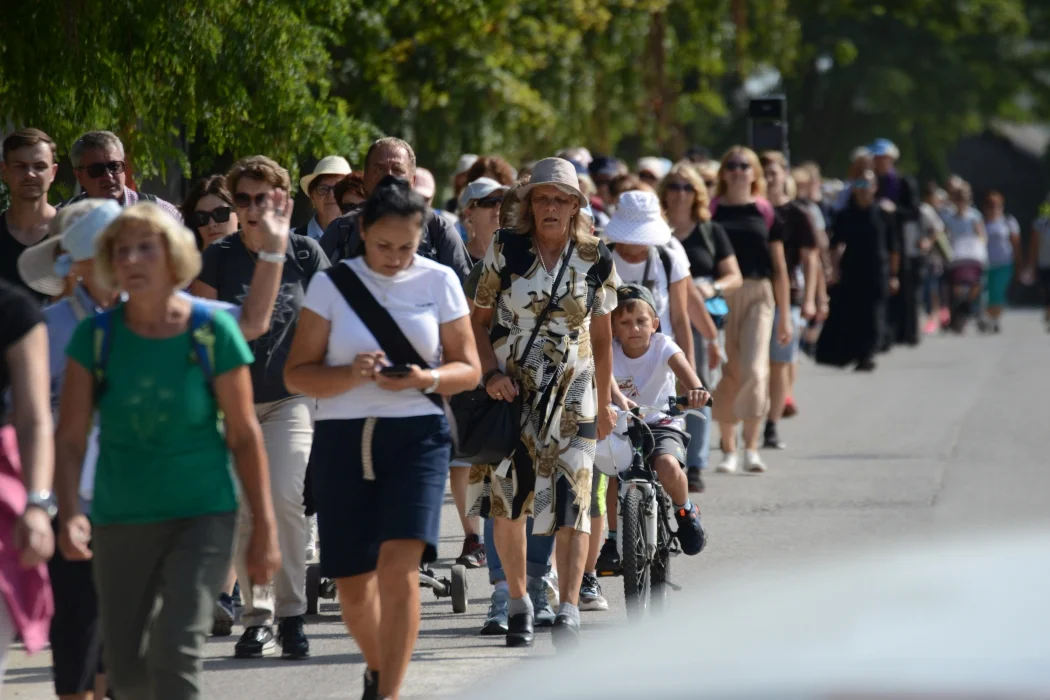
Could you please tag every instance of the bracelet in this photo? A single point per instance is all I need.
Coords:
(488, 377)
(437, 381)
(276, 258)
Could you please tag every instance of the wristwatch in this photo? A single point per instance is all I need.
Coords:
(718, 289)
(437, 382)
(276, 258)
(44, 499)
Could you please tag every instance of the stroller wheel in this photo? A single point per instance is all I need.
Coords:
(460, 598)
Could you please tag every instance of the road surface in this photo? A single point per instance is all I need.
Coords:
(943, 438)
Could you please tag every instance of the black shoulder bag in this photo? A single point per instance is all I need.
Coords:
(488, 429)
(399, 350)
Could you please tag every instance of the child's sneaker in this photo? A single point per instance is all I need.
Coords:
(690, 532)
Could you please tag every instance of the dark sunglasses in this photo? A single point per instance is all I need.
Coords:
(488, 202)
(348, 207)
(243, 200)
(737, 165)
(219, 214)
(680, 187)
(97, 170)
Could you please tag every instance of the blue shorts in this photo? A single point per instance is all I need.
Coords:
(786, 353)
(410, 458)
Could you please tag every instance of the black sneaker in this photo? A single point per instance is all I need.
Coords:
(609, 563)
(223, 617)
(696, 482)
(473, 554)
(690, 532)
(371, 685)
(256, 642)
(772, 439)
(294, 644)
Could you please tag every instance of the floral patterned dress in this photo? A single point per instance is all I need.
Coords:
(548, 476)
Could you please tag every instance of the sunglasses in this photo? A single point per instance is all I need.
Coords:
(680, 187)
(488, 202)
(737, 165)
(349, 207)
(97, 170)
(243, 200)
(219, 214)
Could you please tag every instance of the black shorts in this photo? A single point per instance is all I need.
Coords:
(669, 441)
(410, 461)
(76, 638)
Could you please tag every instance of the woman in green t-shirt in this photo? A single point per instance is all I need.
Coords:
(165, 504)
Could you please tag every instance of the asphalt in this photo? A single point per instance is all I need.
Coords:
(944, 439)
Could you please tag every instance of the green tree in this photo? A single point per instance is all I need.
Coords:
(213, 78)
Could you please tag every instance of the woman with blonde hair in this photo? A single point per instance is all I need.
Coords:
(714, 270)
(158, 368)
(757, 237)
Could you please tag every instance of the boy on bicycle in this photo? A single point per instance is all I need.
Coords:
(645, 366)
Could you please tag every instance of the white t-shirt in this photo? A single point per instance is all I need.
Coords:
(648, 380)
(633, 273)
(967, 245)
(420, 299)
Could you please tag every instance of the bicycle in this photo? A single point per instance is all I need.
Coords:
(647, 541)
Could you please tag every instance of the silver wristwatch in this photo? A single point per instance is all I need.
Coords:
(45, 500)
(276, 258)
(437, 382)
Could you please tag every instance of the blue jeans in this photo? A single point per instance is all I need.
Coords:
(537, 554)
(699, 449)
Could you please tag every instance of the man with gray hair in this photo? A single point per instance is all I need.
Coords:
(98, 163)
(440, 242)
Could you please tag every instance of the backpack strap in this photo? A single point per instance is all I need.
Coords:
(102, 344)
(707, 233)
(665, 260)
(202, 339)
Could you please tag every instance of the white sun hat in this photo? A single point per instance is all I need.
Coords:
(329, 165)
(613, 454)
(43, 268)
(638, 220)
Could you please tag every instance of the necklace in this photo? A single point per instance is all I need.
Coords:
(549, 270)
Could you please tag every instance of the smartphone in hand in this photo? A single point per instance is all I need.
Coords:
(396, 371)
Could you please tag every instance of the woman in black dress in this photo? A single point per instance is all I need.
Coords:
(863, 242)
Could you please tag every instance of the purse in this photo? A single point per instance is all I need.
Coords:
(488, 429)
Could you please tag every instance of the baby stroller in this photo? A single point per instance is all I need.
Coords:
(964, 293)
(318, 587)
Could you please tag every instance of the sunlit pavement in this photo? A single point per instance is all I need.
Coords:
(947, 437)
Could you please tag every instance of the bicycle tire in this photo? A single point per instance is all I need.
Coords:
(636, 570)
(661, 572)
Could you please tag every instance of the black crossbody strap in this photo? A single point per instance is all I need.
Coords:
(550, 302)
(399, 350)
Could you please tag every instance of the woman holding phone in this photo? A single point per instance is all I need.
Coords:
(382, 445)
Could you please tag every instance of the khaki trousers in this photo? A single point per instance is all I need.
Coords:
(743, 392)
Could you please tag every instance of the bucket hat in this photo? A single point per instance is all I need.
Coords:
(329, 165)
(558, 172)
(44, 269)
(638, 220)
(465, 161)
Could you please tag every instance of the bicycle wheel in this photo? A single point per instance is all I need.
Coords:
(635, 556)
(661, 572)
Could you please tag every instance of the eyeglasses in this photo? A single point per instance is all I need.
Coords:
(680, 187)
(219, 214)
(243, 200)
(737, 165)
(488, 202)
(324, 190)
(97, 170)
(348, 207)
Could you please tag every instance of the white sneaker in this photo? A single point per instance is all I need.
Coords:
(728, 464)
(753, 462)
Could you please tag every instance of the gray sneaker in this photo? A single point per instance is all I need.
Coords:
(543, 612)
(496, 622)
(591, 597)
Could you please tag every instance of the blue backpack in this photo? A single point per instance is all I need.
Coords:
(202, 344)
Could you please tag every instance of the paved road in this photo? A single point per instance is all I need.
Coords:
(942, 438)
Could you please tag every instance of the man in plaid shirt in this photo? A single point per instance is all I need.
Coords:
(98, 161)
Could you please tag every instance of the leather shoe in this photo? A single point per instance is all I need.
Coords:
(520, 630)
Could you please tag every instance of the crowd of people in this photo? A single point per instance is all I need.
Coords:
(199, 398)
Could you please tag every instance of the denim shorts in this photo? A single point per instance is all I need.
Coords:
(786, 353)
(397, 495)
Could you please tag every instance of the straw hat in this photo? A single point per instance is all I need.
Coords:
(558, 172)
(43, 269)
(329, 165)
(638, 220)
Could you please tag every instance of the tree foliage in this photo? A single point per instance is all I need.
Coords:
(198, 82)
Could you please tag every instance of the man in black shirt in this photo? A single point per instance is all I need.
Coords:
(440, 241)
(28, 169)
